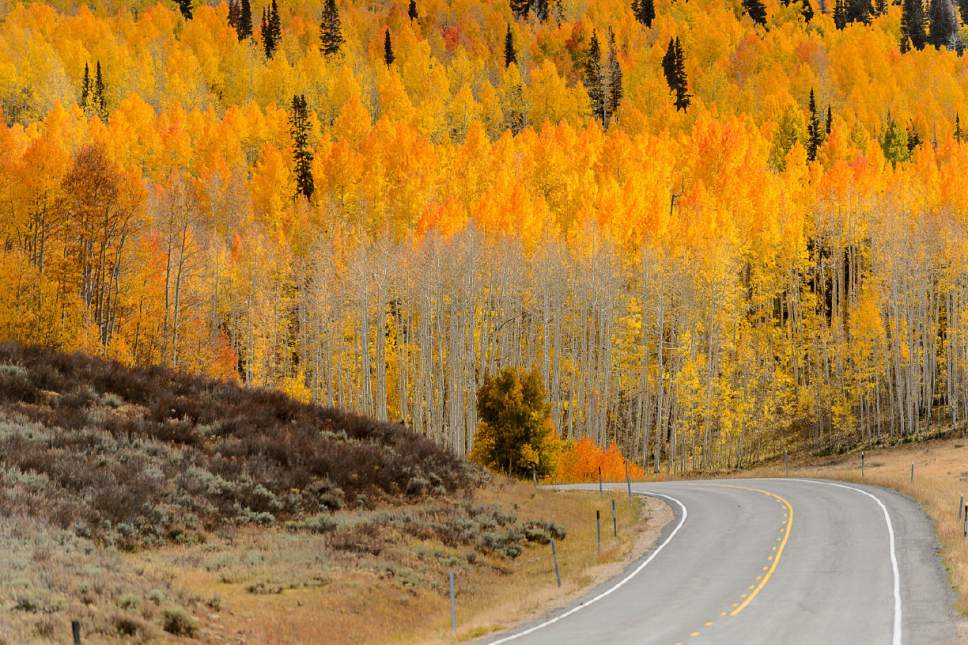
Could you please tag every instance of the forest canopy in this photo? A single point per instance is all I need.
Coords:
(716, 230)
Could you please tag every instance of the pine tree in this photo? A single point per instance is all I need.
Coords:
(615, 92)
(859, 11)
(330, 30)
(412, 10)
(912, 24)
(880, 7)
(806, 10)
(185, 6)
(595, 81)
(388, 56)
(829, 125)
(680, 79)
(240, 17)
(541, 10)
(814, 130)
(644, 11)
(302, 154)
(840, 14)
(963, 10)
(510, 53)
(99, 101)
(271, 29)
(944, 25)
(756, 11)
(669, 64)
(913, 138)
(958, 132)
(86, 90)
(520, 8)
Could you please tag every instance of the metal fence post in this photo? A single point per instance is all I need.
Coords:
(453, 604)
(601, 490)
(614, 521)
(554, 558)
(598, 529)
(76, 631)
(861, 463)
(628, 482)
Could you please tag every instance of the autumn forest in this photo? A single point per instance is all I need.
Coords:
(717, 229)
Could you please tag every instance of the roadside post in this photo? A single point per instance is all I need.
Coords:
(961, 506)
(628, 482)
(912, 473)
(614, 520)
(861, 463)
(554, 558)
(534, 476)
(786, 464)
(453, 605)
(601, 490)
(598, 530)
(76, 631)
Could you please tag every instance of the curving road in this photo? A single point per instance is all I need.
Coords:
(772, 561)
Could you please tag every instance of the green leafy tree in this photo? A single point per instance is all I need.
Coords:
(894, 142)
(330, 30)
(515, 432)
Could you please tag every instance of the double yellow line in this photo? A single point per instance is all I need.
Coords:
(779, 551)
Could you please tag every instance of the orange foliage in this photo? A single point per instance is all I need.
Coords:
(580, 460)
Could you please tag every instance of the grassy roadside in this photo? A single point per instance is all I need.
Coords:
(940, 478)
(267, 591)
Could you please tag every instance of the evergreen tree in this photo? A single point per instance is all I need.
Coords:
(829, 125)
(86, 90)
(756, 11)
(840, 13)
(958, 133)
(644, 11)
(388, 56)
(302, 154)
(240, 17)
(595, 81)
(669, 64)
(963, 10)
(880, 7)
(510, 53)
(679, 76)
(412, 10)
(859, 11)
(520, 8)
(615, 92)
(944, 25)
(330, 30)
(913, 138)
(806, 10)
(814, 130)
(912, 25)
(271, 29)
(185, 6)
(541, 10)
(99, 100)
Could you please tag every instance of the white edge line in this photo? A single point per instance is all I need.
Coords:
(890, 532)
(611, 589)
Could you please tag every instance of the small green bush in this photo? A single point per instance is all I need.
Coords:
(177, 622)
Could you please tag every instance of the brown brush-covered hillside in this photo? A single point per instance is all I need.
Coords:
(134, 457)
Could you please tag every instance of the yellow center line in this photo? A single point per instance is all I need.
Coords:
(779, 552)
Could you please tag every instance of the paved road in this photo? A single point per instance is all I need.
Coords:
(772, 561)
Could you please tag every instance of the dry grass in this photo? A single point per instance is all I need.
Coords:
(940, 479)
(278, 587)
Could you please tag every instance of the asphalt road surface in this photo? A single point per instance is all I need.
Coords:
(773, 561)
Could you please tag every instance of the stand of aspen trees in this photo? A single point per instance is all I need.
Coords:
(707, 287)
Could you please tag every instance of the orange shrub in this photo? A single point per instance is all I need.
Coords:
(579, 460)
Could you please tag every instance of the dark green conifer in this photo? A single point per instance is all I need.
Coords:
(510, 53)
(86, 89)
(615, 92)
(271, 29)
(644, 11)
(840, 14)
(520, 8)
(756, 11)
(412, 10)
(330, 30)
(943, 31)
(99, 100)
(302, 153)
(815, 133)
(185, 6)
(829, 125)
(595, 81)
(912, 25)
(388, 56)
(681, 81)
